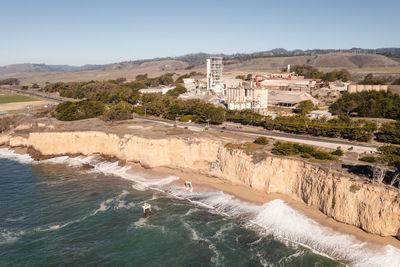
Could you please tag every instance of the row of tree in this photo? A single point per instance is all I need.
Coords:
(9, 81)
(344, 127)
(375, 104)
(311, 72)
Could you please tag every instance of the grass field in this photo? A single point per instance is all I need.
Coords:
(15, 98)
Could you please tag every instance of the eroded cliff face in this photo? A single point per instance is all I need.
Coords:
(372, 207)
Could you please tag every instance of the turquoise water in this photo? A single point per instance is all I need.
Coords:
(57, 213)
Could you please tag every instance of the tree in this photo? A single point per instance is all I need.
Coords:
(370, 80)
(389, 132)
(376, 104)
(396, 82)
(249, 77)
(70, 111)
(305, 107)
(177, 91)
(9, 81)
(120, 111)
(35, 86)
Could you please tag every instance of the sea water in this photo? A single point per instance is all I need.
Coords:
(54, 212)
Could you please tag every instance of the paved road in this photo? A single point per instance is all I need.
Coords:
(311, 140)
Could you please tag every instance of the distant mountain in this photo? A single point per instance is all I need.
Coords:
(22, 68)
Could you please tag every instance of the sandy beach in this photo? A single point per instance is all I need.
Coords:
(245, 193)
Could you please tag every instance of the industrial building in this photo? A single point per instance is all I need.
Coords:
(163, 90)
(354, 88)
(214, 73)
(288, 99)
(255, 99)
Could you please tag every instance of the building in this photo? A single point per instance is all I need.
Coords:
(255, 99)
(288, 99)
(190, 84)
(355, 88)
(214, 72)
(289, 85)
(319, 114)
(339, 86)
(156, 90)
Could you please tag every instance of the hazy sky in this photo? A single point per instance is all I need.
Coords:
(78, 32)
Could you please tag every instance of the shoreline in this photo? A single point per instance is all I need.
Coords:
(248, 194)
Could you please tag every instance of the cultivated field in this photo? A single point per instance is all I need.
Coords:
(4, 98)
(11, 102)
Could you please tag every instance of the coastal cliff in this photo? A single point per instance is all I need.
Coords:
(374, 208)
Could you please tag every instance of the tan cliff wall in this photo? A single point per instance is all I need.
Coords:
(374, 208)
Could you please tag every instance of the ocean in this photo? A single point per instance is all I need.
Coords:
(58, 212)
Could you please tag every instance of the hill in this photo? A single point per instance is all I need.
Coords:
(358, 63)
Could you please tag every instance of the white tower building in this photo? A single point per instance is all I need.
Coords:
(214, 72)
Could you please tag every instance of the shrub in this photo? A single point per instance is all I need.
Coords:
(354, 188)
(370, 159)
(261, 140)
(390, 153)
(323, 155)
(304, 151)
(337, 152)
(187, 118)
(305, 155)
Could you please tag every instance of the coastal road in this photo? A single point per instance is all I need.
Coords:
(310, 140)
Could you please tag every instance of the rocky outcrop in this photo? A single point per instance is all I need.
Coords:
(372, 207)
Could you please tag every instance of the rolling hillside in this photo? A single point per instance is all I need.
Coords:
(357, 64)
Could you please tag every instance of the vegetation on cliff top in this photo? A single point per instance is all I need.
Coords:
(360, 130)
(389, 133)
(304, 151)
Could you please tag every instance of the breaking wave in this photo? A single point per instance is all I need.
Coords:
(275, 218)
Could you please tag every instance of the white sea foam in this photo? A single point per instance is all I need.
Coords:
(9, 236)
(278, 219)
(21, 158)
(275, 218)
(217, 258)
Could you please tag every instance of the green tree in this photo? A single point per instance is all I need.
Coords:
(177, 91)
(304, 107)
(370, 80)
(121, 111)
(389, 132)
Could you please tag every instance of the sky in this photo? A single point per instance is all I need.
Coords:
(78, 32)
